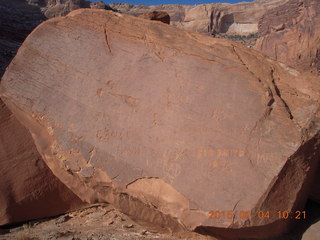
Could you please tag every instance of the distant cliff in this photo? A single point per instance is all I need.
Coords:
(238, 19)
(233, 19)
(290, 34)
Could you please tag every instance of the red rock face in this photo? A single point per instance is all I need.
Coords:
(157, 16)
(290, 33)
(28, 188)
(166, 124)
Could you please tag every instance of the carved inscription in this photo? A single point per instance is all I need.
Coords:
(171, 163)
(106, 133)
(217, 115)
(220, 153)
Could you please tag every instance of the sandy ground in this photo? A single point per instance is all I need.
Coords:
(104, 222)
(97, 222)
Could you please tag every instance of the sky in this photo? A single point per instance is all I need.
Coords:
(158, 2)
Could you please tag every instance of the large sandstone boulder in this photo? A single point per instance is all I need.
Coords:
(28, 188)
(166, 124)
(290, 34)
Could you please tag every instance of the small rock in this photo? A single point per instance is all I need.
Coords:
(63, 219)
(97, 214)
(97, 5)
(128, 226)
(94, 237)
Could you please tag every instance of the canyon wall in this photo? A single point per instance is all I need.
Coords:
(233, 19)
(290, 34)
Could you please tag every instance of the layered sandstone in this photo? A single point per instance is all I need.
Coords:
(166, 124)
(289, 33)
(28, 188)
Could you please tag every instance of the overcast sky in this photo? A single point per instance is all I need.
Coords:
(158, 2)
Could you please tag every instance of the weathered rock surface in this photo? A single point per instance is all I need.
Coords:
(156, 16)
(28, 188)
(290, 34)
(165, 124)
